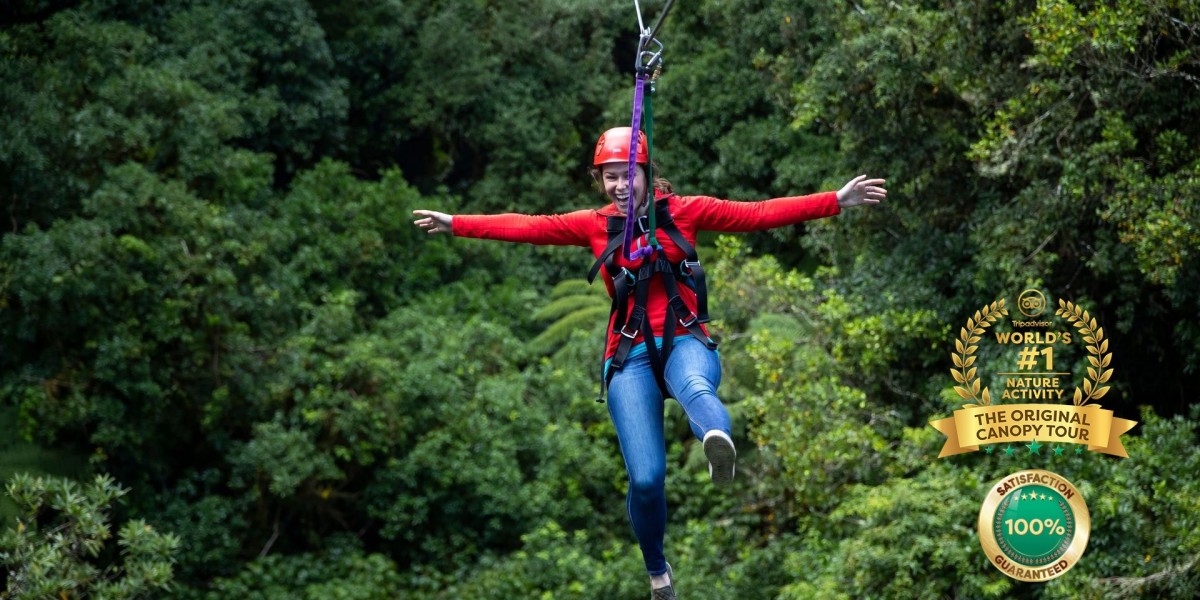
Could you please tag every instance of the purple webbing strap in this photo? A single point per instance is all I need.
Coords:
(631, 204)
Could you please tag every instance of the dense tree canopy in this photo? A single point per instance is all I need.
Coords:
(219, 328)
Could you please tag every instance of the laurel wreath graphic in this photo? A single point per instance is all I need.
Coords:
(964, 356)
(1097, 348)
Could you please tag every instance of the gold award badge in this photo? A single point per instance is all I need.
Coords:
(1034, 525)
(1013, 418)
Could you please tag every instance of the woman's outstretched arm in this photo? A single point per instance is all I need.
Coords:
(725, 215)
(570, 229)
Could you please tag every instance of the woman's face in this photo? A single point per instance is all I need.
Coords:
(615, 178)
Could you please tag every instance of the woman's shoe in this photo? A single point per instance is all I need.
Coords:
(722, 457)
(668, 592)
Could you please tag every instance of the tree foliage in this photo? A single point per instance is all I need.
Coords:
(60, 546)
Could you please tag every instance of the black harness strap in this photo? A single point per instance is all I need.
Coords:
(657, 361)
(628, 330)
(616, 226)
(676, 307)
(690, 267)
(623, 280)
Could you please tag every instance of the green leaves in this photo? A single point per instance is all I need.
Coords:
(282, 459)
(56, 546)
(344, 571)
(574, 306)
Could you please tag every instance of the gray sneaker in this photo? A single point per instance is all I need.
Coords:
(668, 592)
(722, 457)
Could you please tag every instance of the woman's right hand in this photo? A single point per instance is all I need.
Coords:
(434, 222)
(861, 190)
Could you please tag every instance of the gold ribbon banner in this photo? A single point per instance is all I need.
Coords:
(998, 424)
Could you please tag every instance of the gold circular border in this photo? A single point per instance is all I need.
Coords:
(1045, 303)
(1083, 523)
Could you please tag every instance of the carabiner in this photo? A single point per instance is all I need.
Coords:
(648, 59)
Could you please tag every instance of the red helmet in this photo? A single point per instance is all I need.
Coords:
(613, 147)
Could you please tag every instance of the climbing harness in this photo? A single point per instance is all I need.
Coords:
(687, 272)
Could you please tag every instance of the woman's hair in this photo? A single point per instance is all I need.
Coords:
(660, 184)
(663, 185)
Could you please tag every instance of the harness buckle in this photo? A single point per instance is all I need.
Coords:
(630, 278)
(691, 320)
(625, 332)
(686, 266)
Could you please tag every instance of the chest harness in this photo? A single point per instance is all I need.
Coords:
(628, 323)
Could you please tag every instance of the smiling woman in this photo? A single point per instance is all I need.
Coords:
(658, 345)
(611, 168)
(615, 175)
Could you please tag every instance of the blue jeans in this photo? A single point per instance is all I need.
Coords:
(635, 404)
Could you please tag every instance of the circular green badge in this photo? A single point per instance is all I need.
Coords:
(1034, 525)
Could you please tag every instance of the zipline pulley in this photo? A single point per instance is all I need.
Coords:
(648, 34)
(649, 60)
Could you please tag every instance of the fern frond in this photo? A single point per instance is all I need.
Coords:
(575, 287)
(567, 305)
(557, 334)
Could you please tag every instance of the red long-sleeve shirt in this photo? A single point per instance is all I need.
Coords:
(691, 214)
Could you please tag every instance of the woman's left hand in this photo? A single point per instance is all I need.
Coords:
(861, 190)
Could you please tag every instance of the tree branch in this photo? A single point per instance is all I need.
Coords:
(1126, 585)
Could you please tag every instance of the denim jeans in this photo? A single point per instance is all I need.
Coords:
(635, 404)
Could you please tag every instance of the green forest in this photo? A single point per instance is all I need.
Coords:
(232, 367)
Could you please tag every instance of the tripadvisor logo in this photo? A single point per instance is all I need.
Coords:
(1032, 303)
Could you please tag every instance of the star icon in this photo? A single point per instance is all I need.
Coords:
(1079, 450)
(989, 449)
(1058, 450)
(1034, 447)
(1008, 450)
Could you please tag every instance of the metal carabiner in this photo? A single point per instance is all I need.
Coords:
(647, 60)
